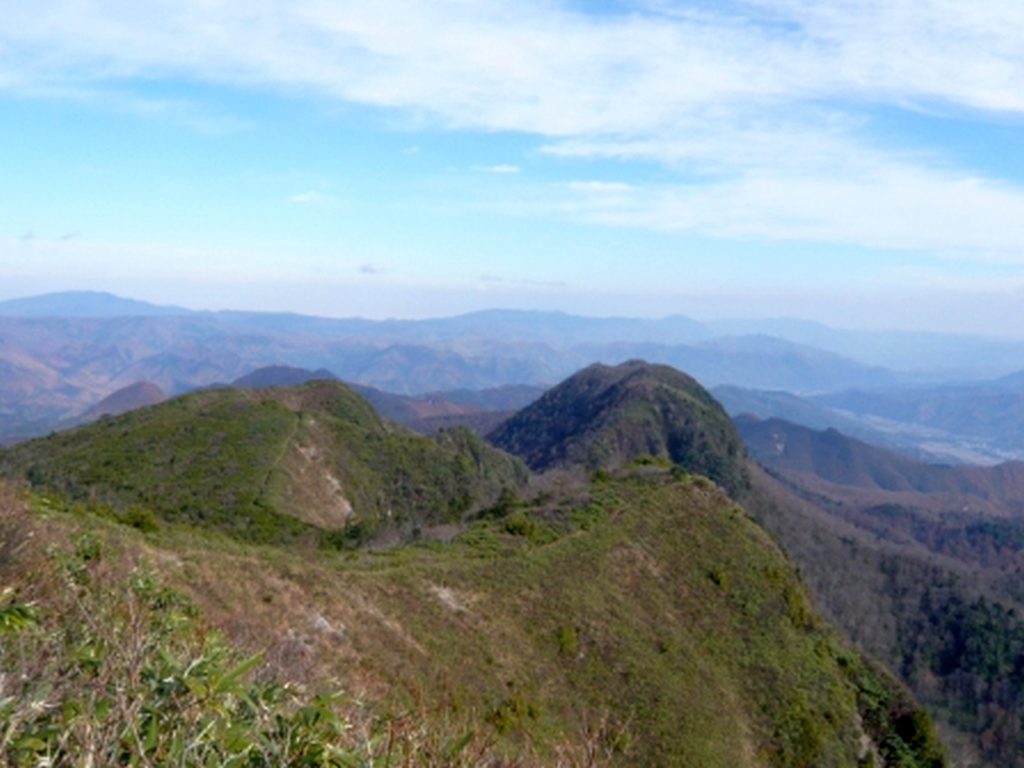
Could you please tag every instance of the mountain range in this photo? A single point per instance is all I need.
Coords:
(62, 354)
(620, 608)
(910, 560)
(241, 427)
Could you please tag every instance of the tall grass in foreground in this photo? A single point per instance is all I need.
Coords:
(101, 664)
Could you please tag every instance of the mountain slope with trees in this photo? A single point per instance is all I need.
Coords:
(605, 416)
(270, 464)
(638, 618)
(919, 564)
(891, 547)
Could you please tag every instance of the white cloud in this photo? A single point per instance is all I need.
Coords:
(534, 67)
(968, 54)
(762, 105)
(785, 180)
(888, 206)
(305, 197)
(601, 187)
(498, 169)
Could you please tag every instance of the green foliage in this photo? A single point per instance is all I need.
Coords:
(521, 525)
(900, 728)
(513, 713)
(615, 632)
(481, 539)
(720, 578)
(525, 525)
(635, 413)
(15, 616)
(659, 462)
(625, 617)
(650, 604)
(506, 504)
(201, 459)
(141, 518)
(587, 516)
(971, 653)
(568, 640)
(253, 464)
(352, 536)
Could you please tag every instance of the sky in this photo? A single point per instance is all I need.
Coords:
(855, 162)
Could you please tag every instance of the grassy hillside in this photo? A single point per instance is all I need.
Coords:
(688, 642)
(610, 416)
(269, 465)
(640, 617)
(104, 662)
(604, 416)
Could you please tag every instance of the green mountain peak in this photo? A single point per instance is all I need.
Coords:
(605, 416)
(271, 464)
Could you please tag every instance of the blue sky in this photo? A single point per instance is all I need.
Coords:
(858, 162)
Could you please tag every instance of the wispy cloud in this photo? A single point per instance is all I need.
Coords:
(758, 107)
(601, 187)
(890, 208)
(371, 268)
(120, 98)
(537, 67)
(496, 282)
(305, 197)
(498, 169)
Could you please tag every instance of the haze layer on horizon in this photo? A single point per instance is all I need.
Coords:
(856, 163)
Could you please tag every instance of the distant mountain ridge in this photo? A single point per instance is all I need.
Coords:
(964, 356)
(53, 368)
(56, 368)
(281, 376)
(956, 356)
(126, 399)
(846, 461)
(84, 304)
